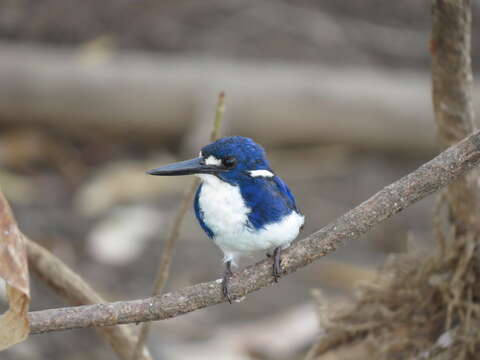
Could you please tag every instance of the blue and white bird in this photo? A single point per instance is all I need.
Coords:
(241, 204)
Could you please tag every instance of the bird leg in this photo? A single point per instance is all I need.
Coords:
(277, 266)
(226, 277)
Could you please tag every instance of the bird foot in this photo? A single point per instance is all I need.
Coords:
(277, 264)
(226, 279)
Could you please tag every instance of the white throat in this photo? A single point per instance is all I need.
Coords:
(223, 208)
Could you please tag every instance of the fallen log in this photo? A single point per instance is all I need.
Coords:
(166, 98)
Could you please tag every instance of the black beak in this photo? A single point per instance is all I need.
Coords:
(188, 167)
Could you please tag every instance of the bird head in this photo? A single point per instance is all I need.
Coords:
(229, 158)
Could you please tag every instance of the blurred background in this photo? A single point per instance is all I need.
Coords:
(93, 94)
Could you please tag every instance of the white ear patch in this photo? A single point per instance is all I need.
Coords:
(263, 173)
(212, 160)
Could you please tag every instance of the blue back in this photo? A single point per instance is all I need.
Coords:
(269, 199)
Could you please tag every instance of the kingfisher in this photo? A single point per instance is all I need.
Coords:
(241, 204)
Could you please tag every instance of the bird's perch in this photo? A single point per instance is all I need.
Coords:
(442, 170)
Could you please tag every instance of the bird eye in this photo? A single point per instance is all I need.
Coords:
(229, 162)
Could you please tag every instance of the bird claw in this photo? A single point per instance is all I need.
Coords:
(277, 265)
(226, 279)
(226, 293)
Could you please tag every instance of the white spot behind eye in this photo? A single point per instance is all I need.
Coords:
(200, 154)
(212, 160)
(264, 173)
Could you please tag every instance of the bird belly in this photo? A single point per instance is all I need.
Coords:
(225, 213)
(247, 241)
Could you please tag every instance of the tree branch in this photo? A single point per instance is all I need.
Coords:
(452, 78)
(442, 170)
(70, 286)
(452, 83)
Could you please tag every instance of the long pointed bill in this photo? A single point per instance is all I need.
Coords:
(188, 167)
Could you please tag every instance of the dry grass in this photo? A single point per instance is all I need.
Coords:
(420, 306)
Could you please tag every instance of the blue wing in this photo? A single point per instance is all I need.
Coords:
(269, 199)
(283, 189)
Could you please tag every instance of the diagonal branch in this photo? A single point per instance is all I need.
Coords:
(442, 170)
(70, 286)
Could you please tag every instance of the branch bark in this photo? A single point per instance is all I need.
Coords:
(442, 170)
(452, 78)
(452, 84)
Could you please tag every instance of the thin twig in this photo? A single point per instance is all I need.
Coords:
(217, 124)
(430, 177)
(165, 261)
(66, 283)
(167, 253)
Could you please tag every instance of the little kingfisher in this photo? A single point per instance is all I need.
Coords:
(241, 204)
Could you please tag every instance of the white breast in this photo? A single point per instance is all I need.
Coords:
(226, 214)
